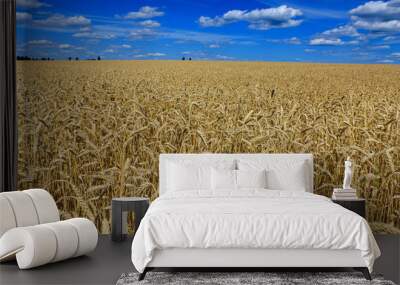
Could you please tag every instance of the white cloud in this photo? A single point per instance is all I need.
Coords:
(346, 30)
(385, 61)
(211, 22)
(31, 4)
(110, 50)
(150, 54)
(214, 46)
(371, 20)
(293, 41)
(290, 41)
(155, 54)
(332, 37)
(224, 57)
(318, 13)
(389, 38)
(326, 42)
(246, 43)
(377, 16)
(65, 46)
(85, 29)
(380, 47)
(177, 36)
(126, 46)
(145, 12)
(386, 26)
(23, 17)
(95, 35)
(40, 42)
(395, 54)
(131, 33)
(259, 19)
(181, 36)
(309, 50)
(149, 24)
(199, 54)
(58, 20)
(353, 42)
(382, 9)
(142, 34)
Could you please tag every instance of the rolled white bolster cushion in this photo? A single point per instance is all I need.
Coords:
(67, 240)
(22, 207)
(33, 246)
(52, 242)
(45, 205)
(87, 235)
(7, 218)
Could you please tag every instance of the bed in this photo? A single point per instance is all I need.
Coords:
(245, 211)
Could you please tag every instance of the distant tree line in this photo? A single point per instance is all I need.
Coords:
(33, 58)
(49, 59)
(70, 58)
(77, 58)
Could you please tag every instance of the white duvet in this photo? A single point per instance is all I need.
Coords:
(250, 219)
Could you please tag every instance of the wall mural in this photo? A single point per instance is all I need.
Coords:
(104, 88)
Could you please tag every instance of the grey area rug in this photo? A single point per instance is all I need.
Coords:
(269, 278)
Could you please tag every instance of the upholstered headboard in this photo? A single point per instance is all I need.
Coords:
(199, 158)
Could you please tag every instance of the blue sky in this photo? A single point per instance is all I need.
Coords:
(254, 30)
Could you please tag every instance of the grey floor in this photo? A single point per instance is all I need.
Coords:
(110, 260)
(103, 266)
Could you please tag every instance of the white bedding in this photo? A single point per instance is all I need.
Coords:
(251, 218)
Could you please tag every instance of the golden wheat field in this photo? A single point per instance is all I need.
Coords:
(89, 131)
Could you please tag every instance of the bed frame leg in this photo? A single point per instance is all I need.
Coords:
(364, 271)
(143, 274)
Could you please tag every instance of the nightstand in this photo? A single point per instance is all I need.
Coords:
(119, 213)
(356, 205)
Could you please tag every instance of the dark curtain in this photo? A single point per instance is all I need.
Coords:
(8, 108)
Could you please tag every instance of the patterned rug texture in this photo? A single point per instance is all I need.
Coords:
(254, 278)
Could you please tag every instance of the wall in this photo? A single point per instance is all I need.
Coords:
(93, 130)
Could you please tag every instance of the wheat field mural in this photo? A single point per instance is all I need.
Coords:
(90, 131)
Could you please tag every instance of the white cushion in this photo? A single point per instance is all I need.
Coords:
(67, 240)
(87, 234)
(7, 220)
(23, 208)
(32, 246)
(45, 205)
(27, 208)
(223, 179)
(281, 175)
(251, 178)
(188, 178)
(185, 174)
(226, 179)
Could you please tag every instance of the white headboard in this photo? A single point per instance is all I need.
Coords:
(164, 158)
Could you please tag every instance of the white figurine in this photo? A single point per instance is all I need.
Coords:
(348, 173)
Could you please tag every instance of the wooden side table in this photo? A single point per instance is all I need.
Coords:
(356, 205)
(119, 213)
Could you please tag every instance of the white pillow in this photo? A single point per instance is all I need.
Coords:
(193, 174)
(251, 178)
(281, 174)
(227, 179)
(204, 162)
(181, 177)
(223, 179)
